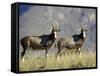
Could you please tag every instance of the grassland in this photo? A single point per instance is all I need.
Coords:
(67, 61)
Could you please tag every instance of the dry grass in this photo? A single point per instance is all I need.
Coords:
(66, 61)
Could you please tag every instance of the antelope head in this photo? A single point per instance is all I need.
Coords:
(55, 29)
(83, 31)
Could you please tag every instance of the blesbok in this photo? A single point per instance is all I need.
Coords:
(43, 42)
(73, 42)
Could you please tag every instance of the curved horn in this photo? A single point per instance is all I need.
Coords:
(81, 26)
(85, 26)
(52, 24)
(57, 25)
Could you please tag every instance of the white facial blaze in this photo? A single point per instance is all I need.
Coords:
(84, 34)
(55, 34)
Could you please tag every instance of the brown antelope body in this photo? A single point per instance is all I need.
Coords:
(43, 42)
(74, 42)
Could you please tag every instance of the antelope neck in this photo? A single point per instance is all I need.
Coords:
(52, 36)
(82, 36)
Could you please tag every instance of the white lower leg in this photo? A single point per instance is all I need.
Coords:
(80, 53)
(47, 55)
(23, 59)
(58, 58)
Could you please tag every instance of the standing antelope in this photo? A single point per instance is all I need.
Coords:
(73, 42)
(43, 42)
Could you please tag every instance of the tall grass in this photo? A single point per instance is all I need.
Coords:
(67, 61)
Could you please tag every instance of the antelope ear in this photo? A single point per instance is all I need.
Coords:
(79, 30)
(50, 30)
